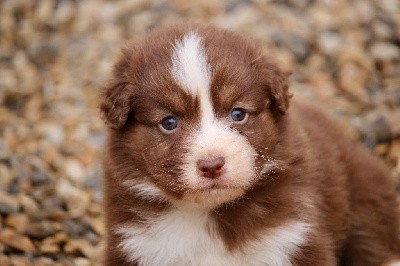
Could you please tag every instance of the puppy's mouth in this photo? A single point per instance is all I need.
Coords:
(214, 187)
(212, 195)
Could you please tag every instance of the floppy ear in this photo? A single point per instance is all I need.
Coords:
(276, 82)
(117, 95)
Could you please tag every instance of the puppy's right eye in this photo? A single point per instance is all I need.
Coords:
(168, 124)
(239, 115)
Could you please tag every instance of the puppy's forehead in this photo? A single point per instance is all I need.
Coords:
(192, 72)
(190, 67)
(199, 63)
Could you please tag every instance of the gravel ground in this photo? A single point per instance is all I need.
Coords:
(55, 54)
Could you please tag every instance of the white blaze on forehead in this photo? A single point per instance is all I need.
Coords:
(191, 70)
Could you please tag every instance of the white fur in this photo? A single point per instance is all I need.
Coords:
(187, 237)
(191, 70)
(216, 139)
(269, 166)
(189, 64)
(146, 191)
(394, 263)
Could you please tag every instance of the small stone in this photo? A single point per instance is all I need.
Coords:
(49, 248)
(57, 239)
(18, 221)
(6, 176)
(44, 261)
(98, 226)
(394, 122)
(76, 246)
(382, 149)
(16, 241)
(394, 153)
(40, 178)
(330, 42)
(376, 130)
(92, 238)
(53, 132)
(65, 12)
(75, 171)
(20, 261)
(4, 260)
(81, 262)
(28, 204)
(385, 51)
(75, 228)
(8, 203)
(42, 229)
(352, 80)
(76, 199)
(95, 209)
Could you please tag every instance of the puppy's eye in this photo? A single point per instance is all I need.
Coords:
(239, 115)
(169, 123)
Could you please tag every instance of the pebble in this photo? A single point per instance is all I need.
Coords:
(75, 171)
(20, 261)
(18, 221)
(28, 204)
(42, 229)
(8, 203)
(43, 261)
(17, 241)
(4, 260)
(394, 152)
(97, 225)
(76, 199)
(385, 51)
(76, 246)
(6, 175)
(49, 248)
(81, 262)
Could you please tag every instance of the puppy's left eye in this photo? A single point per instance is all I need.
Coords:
(168, 124)
(239, 115)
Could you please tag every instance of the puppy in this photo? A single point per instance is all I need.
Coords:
(206, 164)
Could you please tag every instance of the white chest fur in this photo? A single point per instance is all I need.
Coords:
(187, 238)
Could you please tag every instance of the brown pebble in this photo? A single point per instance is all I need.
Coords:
(18, 221)
(42, 229)
(4, 260)
(49, 248)
(6, 176)
(8, 203)
(77, 246)
(98, 226)
(17, 241)
(17, 260)
(394, 153)
(76, 199)
(28, 204)
(81, 262)
(43, 261)
(52, 244)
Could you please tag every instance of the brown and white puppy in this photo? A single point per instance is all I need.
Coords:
(206, 164)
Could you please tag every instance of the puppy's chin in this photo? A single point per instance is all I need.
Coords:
(209, 197)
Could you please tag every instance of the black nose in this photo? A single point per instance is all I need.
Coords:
(211, 168)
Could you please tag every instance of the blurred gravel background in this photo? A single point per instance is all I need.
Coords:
(55, 54)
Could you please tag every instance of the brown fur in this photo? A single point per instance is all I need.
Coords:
(343, 190)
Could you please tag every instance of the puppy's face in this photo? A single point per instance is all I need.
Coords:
(193, 115)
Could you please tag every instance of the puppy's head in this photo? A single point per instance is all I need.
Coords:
(193, 114)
